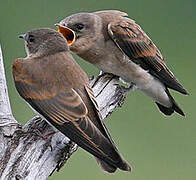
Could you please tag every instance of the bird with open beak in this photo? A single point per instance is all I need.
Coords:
(55, 86)
(116, 44)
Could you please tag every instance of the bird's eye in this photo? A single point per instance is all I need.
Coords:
(31, 38)
(79, 26)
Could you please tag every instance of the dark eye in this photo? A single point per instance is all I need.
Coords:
(31, 38)
(79, 26)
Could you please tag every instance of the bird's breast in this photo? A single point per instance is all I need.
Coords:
(126, 69)
(133, 73)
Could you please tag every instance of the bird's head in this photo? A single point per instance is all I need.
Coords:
(43, 41)
(80, 30)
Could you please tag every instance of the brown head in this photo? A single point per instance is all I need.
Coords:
(43, 41)
(88, 28)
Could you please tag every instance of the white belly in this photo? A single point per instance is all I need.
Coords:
(145, 82)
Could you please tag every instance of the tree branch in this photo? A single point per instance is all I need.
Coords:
(25, 152)
(7, 123)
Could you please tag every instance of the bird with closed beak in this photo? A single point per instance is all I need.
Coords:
(55, 86)
(116, 44)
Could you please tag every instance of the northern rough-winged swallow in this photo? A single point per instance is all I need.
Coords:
(116, 44)
(57, 88)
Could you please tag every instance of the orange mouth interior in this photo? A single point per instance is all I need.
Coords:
(68, 34)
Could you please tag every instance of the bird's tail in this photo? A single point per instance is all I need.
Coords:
(123, 165)
(174, 108)
(88, 137)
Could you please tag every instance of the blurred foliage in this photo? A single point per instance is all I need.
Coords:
(158, 147)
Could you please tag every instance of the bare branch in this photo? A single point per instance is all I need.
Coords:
(36, 150)
(7, 120)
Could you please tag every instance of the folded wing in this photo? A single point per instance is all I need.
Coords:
(134, 42)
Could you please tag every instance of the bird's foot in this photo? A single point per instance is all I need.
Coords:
(128, 89)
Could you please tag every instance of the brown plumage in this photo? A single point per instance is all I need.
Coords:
(58, 89)
(116, 44)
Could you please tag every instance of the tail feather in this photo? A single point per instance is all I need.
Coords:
(106, 167)
(165, 110)
(174, 108)
(108, 155)
(123, 165)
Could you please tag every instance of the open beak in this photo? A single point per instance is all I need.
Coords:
(68, 34)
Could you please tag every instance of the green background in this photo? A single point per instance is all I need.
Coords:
(158, 147)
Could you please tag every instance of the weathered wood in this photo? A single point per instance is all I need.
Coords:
(7, 121)
(36, 150)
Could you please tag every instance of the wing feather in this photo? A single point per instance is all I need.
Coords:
(134, 42)
(71, 109)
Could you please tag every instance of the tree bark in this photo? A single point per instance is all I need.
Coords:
(25, 151)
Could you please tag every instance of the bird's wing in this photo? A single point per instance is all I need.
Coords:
(134, 42)
(97, 120)
(111, 149)
(68, 113)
